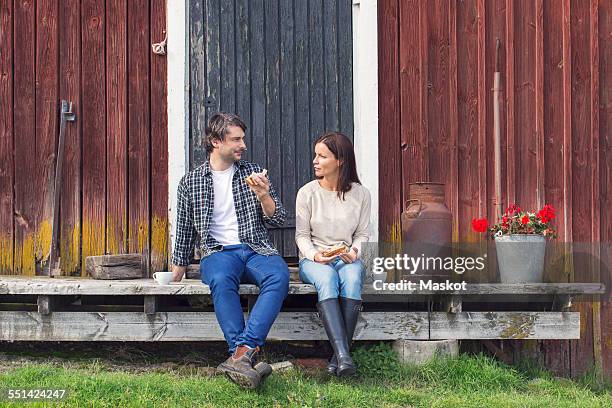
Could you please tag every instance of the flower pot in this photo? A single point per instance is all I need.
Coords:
(520, 258)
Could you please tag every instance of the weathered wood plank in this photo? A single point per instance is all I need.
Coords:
(151, 304)
(605, 176)
(127, 266)
(159, 144)
(287, 183)
(525, 109)
(345, 67)
(413, 95)
(438, 94)
(258, 87)
(582, 350)
(389, 157)
(212, 67)
(317, 70)
(303, 147)
(539, 102)
(553, 130)
(595, 174)
(116, 122)
(495, 61)
(273, 104)
(139, 51)
(452, 304)
(227, 49)
(510, 108)
(202, 326)
(330, 58)
(6, 139)
(468, 137)
(197, 80)
(193, 326)
(243, 68)
(17, 285)
(46, 304)
(25, 137)
(94, 130)
(70, 90)
(453, 189)
(46, 118)
(568, 211)
(505, 325)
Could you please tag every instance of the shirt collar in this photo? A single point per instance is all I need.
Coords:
(207, 170)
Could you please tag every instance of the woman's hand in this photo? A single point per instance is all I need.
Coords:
(349, 257)
(323, 259)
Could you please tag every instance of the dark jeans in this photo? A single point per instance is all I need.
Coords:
(224, 271)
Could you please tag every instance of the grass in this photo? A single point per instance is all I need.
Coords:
(469, 381)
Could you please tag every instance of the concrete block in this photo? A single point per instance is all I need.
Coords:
(421, 351)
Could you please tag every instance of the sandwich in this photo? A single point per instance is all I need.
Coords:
(337, 250)
(249, 179)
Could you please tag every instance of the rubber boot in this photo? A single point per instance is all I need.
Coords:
(350, 313)
(331, 315)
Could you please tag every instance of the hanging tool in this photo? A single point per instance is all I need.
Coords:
(497, 130)
(66, 115)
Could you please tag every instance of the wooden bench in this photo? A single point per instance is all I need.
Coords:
(447, 316)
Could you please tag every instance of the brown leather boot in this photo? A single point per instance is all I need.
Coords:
(239, 367)
(264, 369)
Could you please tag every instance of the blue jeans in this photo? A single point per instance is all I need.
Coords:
(224, 271)
(334, 279)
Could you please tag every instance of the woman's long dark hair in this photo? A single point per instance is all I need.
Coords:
(342, 149)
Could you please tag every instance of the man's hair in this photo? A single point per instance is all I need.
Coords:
(218, 126)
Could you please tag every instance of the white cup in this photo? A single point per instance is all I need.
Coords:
(163, 278)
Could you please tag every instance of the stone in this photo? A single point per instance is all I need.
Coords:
(421, 351)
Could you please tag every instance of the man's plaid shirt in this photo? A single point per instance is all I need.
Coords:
(195, 212)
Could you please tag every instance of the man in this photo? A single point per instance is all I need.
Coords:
(216, 204)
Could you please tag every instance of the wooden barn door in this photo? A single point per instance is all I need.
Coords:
(286, 68)
(114, 181)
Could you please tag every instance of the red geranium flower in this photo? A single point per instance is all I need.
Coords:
(480, 224)
(513, 209)
(525, 219)
(547, 213)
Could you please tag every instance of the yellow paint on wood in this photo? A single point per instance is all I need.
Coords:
(395, 234)
(69, 252)
(92, 241)
(116, 240)
(44, 233)
(159, 244)
(25, 256)
(143, 236)
(6, 255)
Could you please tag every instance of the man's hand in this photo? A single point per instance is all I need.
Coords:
(262, 191)
(178, 272)
(261, 187)
(324, 259)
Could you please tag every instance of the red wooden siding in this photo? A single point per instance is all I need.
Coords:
(436, 65)
(114, 182)
(6, 138)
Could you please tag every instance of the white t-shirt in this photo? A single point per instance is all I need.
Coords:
(224, 225)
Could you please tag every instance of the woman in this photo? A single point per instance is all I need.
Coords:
(332, 210)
